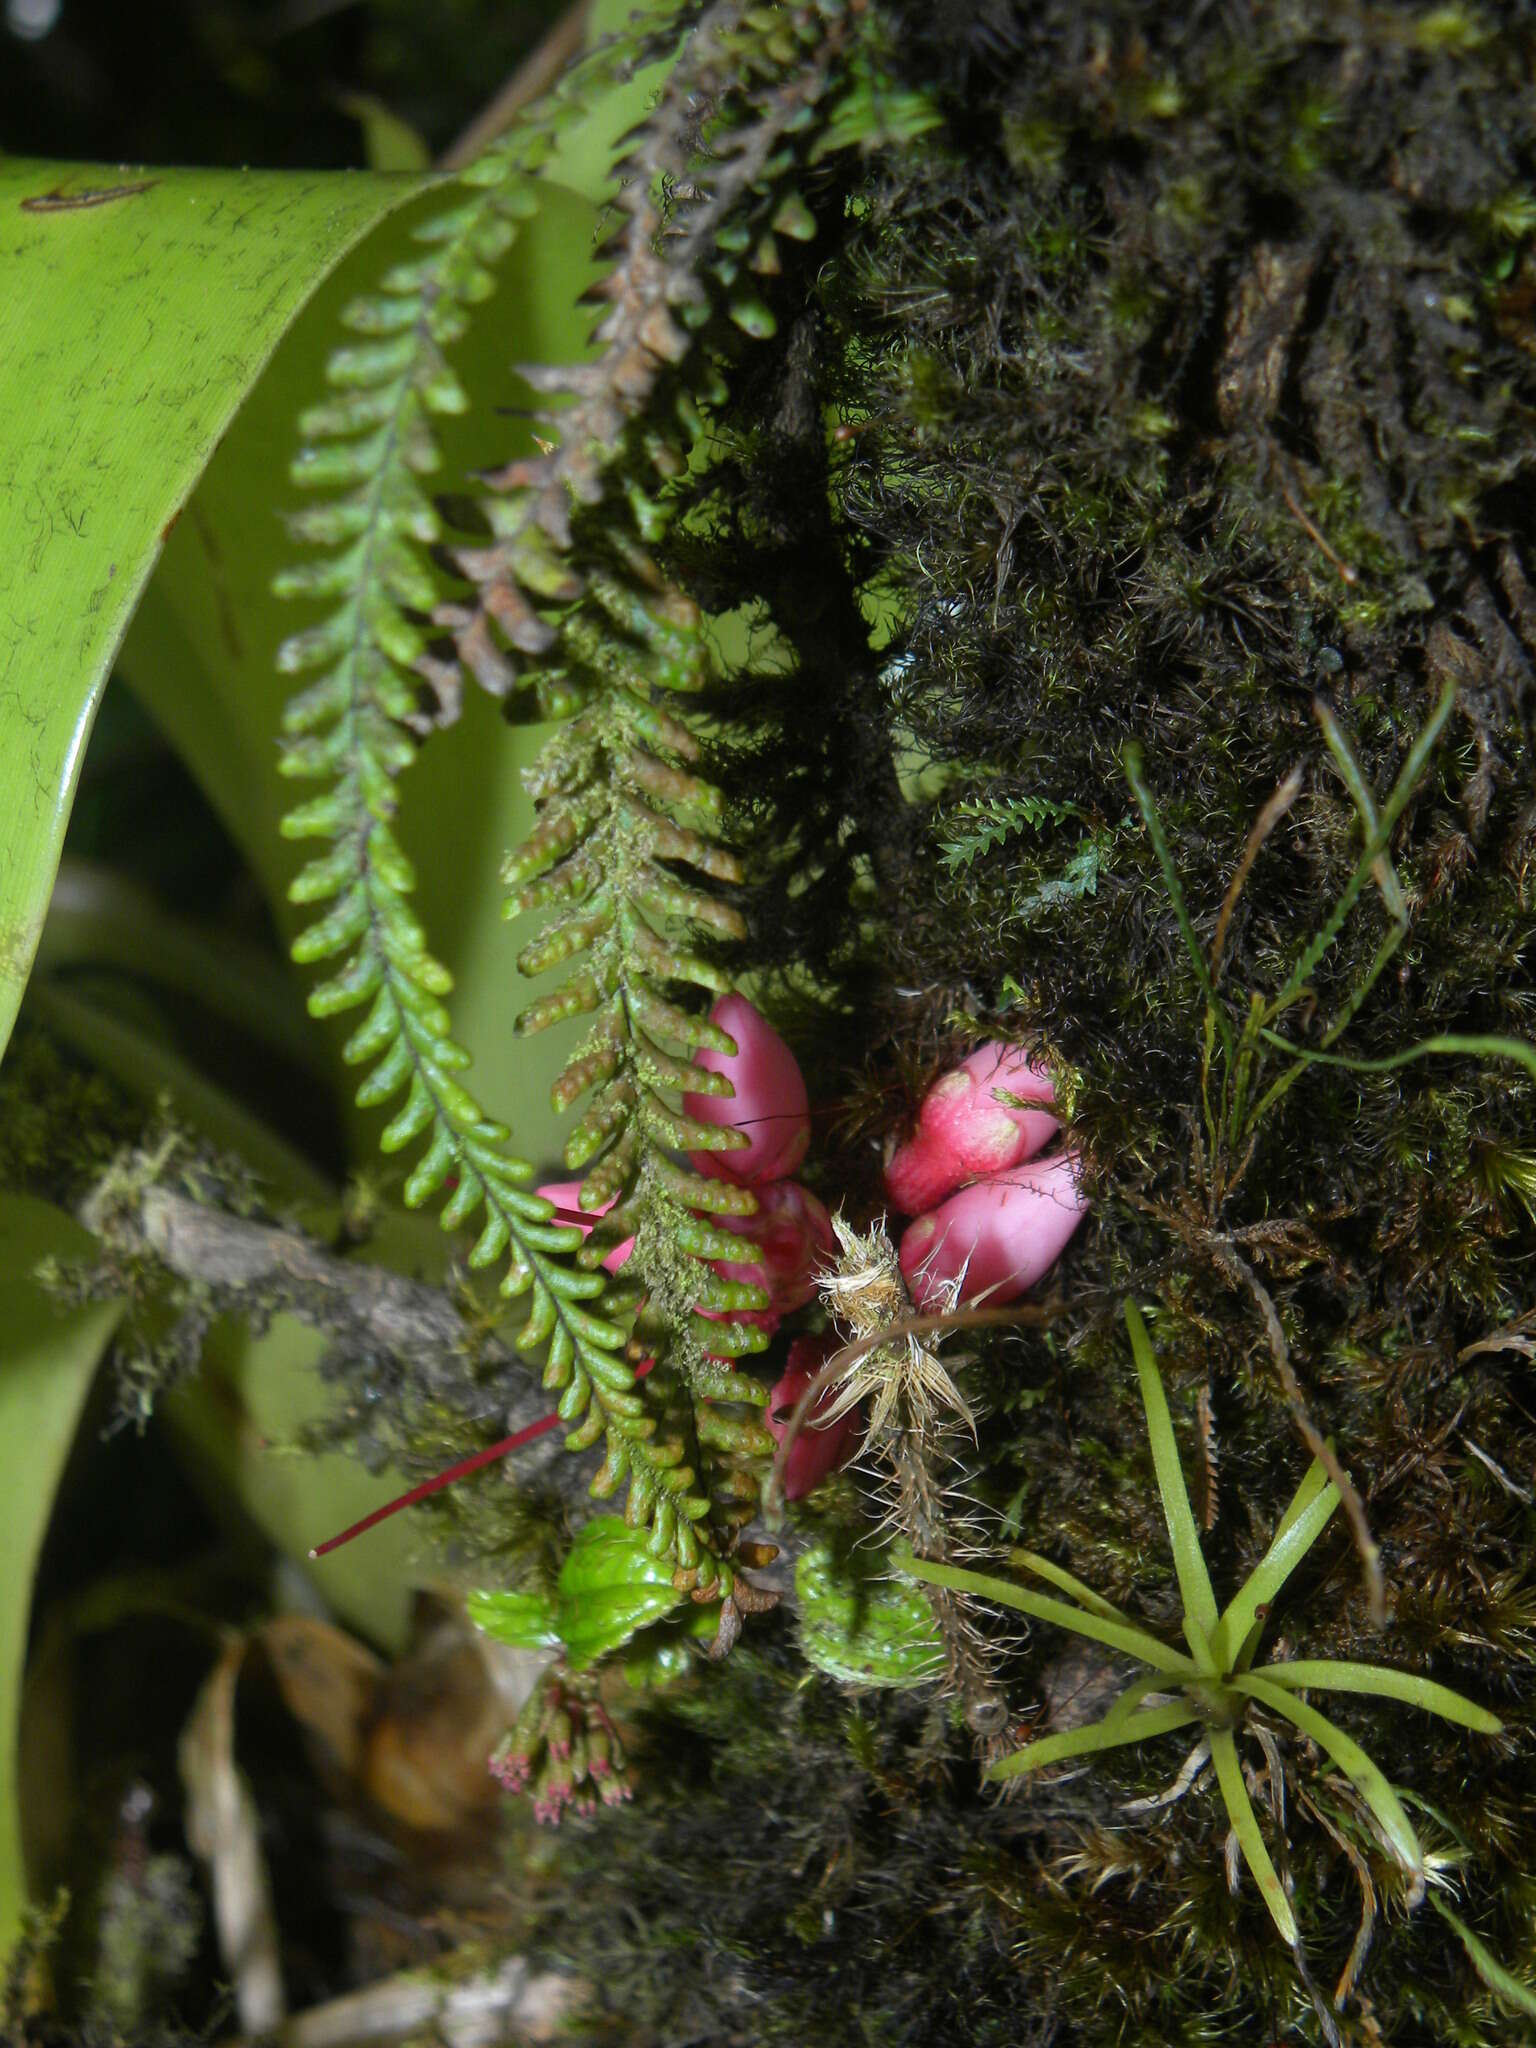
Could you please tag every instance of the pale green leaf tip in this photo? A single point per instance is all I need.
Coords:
(1503, 1983)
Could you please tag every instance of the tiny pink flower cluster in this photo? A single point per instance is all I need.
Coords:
(991, 1216)
(995, 1219)
(564, 1751)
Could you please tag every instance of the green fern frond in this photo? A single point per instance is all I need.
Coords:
(623, 818)
(1080, 877)
(978, 824)
(624, 850)
(626, 841)
(354, 726)
(703, 220)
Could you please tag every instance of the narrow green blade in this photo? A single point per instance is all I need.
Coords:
(1098, 1735)
(1245, 1823)
(1057, 1576)
(1134, 1642)
(1322, 1675)
(1503, 1983)
(1188, 1559)
(1263, 1583)
(1351, 1759)
(1313, 1480)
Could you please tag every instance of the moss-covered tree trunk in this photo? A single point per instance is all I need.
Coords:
(1187, 381)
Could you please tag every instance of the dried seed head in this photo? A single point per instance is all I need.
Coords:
(903, 1380)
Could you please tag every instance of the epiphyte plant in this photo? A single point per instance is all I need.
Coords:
(1185, 374)
(551, 597)
(1241, 1103)
(1213, 1682)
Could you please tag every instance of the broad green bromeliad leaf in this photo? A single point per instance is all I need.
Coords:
(47, 1362)
(139, 307)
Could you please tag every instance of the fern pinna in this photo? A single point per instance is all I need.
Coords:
(564, 606)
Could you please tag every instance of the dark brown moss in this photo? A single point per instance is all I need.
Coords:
(1189, 400)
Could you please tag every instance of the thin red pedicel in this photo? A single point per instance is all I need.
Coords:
(460, 1471)
(523, 1436)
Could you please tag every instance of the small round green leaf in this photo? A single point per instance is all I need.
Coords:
(861, 1629)
(525, 1620)
(610, 1585)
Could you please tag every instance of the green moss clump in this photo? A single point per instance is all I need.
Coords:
(1184, 399)
(60, 1122)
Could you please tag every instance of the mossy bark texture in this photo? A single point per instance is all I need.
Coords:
(1186, 377)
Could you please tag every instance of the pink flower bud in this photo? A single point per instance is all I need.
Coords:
(769, 1104)
(964, 1131)
(817, 1450)
(511, 1767)
(565, 1194)
(792, 1234)
(996, 1238)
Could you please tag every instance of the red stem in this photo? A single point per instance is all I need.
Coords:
(460, 1471)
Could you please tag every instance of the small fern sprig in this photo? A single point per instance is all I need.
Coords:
(624, 849)
(978, 824)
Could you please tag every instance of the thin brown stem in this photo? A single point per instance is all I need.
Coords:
(1226, 1256)
(1263, 825)
(1349, 1976)
(532, 78)
(837, 1366)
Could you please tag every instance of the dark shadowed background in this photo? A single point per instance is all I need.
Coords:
(247, 81)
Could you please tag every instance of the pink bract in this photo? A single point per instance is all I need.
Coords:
(792, 1233)
(996, 1238)
(769, 1105)
(964, 1131)
(566, 1194)
(816, 1451)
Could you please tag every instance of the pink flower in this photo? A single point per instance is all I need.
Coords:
(792, 1235)
(965, 1132)
(769, 1102)
(996, 1238)
(817, 1450)
(566, 1194)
